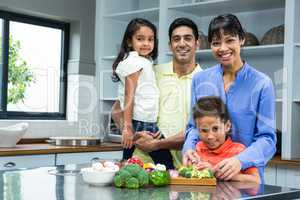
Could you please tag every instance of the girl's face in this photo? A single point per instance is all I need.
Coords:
(143, 41)
(227, 49)
(212, 131)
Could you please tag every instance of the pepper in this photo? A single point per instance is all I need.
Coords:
(135, 160)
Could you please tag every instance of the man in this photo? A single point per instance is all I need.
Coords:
(174, 82)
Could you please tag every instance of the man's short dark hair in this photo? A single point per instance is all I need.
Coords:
(182, 21)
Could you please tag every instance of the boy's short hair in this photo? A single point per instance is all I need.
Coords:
(211, 106)
(182, 21)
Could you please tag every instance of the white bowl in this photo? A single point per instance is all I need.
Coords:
(10, 135)
(98, 177)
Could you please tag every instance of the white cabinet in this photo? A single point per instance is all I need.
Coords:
(278, 61)
(87, 157)
(291, 95)
(288, 176)
(112, 18)
(27, 161)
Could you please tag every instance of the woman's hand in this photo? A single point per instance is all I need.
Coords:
(127, 137)
(190, 158)
(227, 168)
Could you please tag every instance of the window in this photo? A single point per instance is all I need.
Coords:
(33, 67)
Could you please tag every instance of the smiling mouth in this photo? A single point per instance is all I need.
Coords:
(183, 52)
(225, 56)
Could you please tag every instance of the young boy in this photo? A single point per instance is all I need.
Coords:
(212, 120)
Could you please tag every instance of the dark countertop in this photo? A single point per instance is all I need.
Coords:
(44, 148)
(36, 184)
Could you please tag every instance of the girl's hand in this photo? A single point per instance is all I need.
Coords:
(203, 164)
(127, 138)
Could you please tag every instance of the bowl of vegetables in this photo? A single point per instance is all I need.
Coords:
(100, 173)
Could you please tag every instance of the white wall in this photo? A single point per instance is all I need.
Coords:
(82, 100)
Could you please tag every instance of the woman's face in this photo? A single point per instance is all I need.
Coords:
(212, 131)
(227, 50)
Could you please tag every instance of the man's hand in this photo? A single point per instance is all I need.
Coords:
(227, 168)
(190, 158)
(146, 141)
(127, 137)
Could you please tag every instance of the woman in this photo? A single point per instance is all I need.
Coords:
(248, 95)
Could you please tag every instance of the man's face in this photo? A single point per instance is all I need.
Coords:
(183, 45)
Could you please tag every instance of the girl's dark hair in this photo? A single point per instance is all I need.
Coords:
(133, 26)
(228, 23)
(211, 106)
(182, 21)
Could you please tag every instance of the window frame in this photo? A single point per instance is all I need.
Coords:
(65, 28)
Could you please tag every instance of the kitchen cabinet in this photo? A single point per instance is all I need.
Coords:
(77, 158)
(288, 176)
(278, 61)
(27, 161)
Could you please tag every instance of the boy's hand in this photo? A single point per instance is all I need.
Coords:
(227, 168)
(190, 158)
(203, 164)
(127, 137)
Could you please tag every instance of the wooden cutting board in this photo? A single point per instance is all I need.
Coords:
(193, 181)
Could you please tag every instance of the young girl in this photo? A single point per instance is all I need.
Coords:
(138, 93)
(212, 120)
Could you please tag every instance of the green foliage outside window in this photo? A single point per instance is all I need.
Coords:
(20, 75)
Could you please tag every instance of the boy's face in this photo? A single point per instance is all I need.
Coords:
(212, 131)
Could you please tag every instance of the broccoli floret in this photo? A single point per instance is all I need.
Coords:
(182, 171)
(118, 181)
(131, 176)
(124, 175)
(132, 183)
(143, 178)
(133, 169)
(121, 177)
(188, 174)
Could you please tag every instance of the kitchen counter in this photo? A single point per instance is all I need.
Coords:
(38, 183)
(44, 148)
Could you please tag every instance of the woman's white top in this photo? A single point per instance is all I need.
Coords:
(145, 105)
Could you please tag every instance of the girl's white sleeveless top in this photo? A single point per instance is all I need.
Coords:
(146, 98)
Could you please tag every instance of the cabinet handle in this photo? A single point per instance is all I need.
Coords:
(94, 160)
(9, 164)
